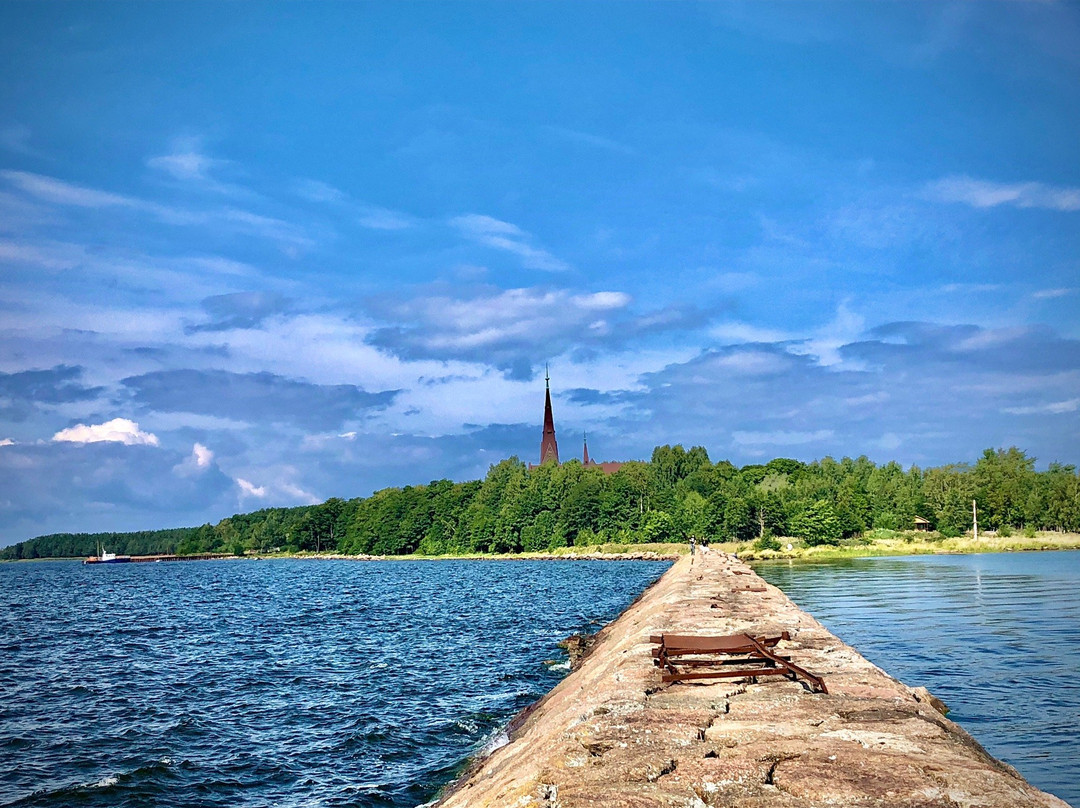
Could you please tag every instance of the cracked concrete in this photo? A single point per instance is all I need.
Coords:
(611, 734)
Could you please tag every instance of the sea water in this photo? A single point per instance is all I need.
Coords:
(339, 683)
(277, 682)
(996, 637)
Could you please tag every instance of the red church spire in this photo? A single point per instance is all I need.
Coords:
(549, 449)
(585, 444)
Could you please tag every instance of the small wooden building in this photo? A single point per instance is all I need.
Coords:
(922, 524)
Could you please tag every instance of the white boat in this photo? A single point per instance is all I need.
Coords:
(105, 557)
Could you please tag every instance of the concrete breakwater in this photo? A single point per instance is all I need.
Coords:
(613, 734)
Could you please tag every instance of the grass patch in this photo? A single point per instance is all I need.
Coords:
(869, 544)
(873, 543)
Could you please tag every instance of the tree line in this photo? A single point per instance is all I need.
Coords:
(677, 494)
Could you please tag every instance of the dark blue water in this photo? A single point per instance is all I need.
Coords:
(285, 683)
(996, 637)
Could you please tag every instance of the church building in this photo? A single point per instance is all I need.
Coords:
(549, 447)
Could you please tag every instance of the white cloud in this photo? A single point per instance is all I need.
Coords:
(988, 194)
(517, 317)
(54, 256)
(236, 220)
(508, 237)
(318, 191)
(1053, 408)
(65, 193)
(7, 442)
(1050, 294)
(825, 344)
(991, 338)
(372, 217)
(736, 332)
(299, 493)
(202, 456)
(118, 430)
(971, 288)
(265, 227)
(752, 363)
(480, 225)
(184, 166)
(866, 400)
(602, 300)
(198, 461)
(822, 343)
(278, 491)
(250, 489)
(187, 163)
(531, 257)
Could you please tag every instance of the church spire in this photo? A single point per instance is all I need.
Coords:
(549, 449)
(585, 444)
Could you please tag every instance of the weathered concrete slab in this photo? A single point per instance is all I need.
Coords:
(611, 734)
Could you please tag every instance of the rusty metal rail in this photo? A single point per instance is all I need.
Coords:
(677, 652)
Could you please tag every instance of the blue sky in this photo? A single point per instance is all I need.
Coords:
(257, 255)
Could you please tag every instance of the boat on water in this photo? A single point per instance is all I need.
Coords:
(105, 557)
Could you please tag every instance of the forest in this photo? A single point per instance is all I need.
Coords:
(679, 493)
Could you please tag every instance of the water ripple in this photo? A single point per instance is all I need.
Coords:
(283, 683)
(997, 637)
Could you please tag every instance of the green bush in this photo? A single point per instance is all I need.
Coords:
(767, 542)
(1005, 531)
(556, 540)
(880, 533)
(588, 538)
(1029, 532)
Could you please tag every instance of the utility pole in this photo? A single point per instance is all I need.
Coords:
(974, 521)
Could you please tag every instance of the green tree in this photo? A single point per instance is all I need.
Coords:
(678, 493)
(660, 527)
(1002, 480)
(948, 492)
(817, 524)
(691, 515)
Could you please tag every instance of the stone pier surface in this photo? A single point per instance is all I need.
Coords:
(612, 734)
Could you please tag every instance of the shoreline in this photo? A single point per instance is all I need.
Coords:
(902, 545)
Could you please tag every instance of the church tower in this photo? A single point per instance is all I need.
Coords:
(549, 449)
